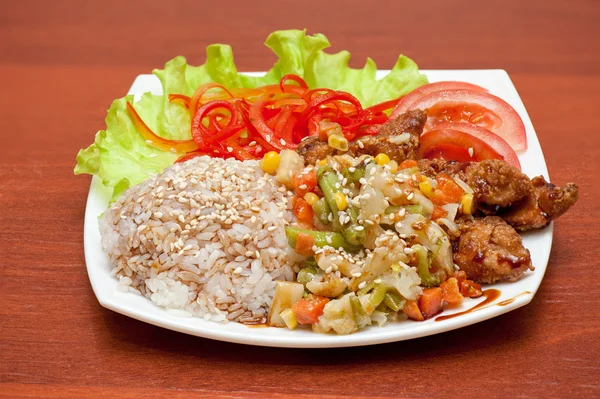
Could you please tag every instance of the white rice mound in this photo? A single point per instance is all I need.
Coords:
(205, 238)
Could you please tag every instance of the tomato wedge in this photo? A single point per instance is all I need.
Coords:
(477, 107)
(450, 144)
(409, 99)
(495, 141)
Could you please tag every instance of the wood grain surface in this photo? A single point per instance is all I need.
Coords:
(63, 62)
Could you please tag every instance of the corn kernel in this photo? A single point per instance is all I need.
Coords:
(311, 198)
(340, 201)
(426, 188)
(338, 141)
(467, 204)
(393, 166)
(322, 162)
(270, 162)
(289, 318)
(382, 159)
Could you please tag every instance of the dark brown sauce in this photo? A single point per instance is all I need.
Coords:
(490, 295)
(511, 300)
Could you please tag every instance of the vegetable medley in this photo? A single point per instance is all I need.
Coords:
(370, 230)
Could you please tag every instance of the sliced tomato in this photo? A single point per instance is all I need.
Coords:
(495, 141)
(450, 144)
(406, 101)
(477, 107)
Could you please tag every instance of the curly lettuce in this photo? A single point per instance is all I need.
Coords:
(122, 158)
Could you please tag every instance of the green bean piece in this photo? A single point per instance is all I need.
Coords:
(306, 275)
(394, 301)
(322, 210)
(330, 184)
(361, 317)
(423, 263)
(376, 297)
(365, 290)
(322, 238)
(355, 175)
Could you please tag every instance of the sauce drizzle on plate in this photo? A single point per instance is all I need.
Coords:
(489, 295)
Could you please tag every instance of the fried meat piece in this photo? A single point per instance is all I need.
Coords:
(544, 204)
(489, 251)
(398, 138)
(313, 150)
(501, 189)
(496, 184)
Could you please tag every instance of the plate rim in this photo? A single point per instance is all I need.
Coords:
(312, 340)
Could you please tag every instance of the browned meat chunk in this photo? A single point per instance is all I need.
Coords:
(544, 204)
(313, 150)
(489, 251)
(431, 167)
(496, 184)
(390, 140)
(501, 189)
(398, 138)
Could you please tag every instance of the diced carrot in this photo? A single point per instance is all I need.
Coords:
(447, 190)
(304, 244)
(303, 212)
(430, 302)
(460, 276)
(304, 181)
(451, 292)
(407, 163)
(309, 309)
(470, 289)
(438, 212)
(411, 309)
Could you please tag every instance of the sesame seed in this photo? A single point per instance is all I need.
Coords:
(377, 281)
(328, 270)
(148, 141)
(356, 275)
(470, 152)
(408, 250)
(362, 285)
(359, 228)
(402, 212)
(352, 169)
(173, 150)
(360, 144)
(303, 187)
(410, 196)
(238, 270)
(282, 142)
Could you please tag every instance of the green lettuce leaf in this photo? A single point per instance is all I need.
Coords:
(120, 155)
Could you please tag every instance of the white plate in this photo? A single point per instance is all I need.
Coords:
(138, 307)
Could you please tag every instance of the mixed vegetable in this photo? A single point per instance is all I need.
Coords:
(375, 237)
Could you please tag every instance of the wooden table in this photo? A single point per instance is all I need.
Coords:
(61, 64)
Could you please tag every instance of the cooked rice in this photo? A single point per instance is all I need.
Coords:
(205, 238)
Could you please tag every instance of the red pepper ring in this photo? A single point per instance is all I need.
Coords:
(309, 94)
(331, 97)
(257, 120)
(301, 82)
(179, 146)
(195, 99)
(199, 130)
